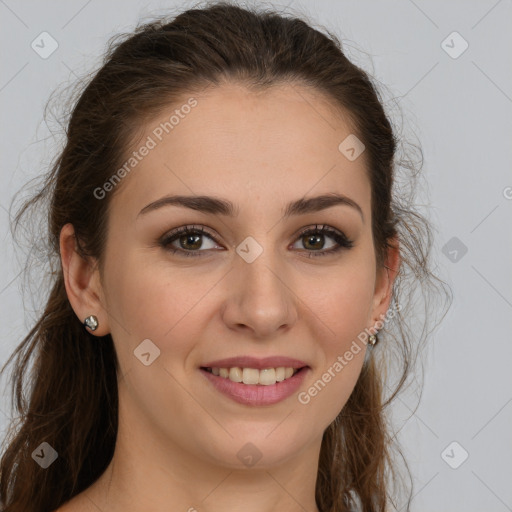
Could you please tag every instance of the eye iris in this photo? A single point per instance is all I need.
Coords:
(311, 239)
(184, 239)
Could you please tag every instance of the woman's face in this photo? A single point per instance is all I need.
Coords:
(251, 285)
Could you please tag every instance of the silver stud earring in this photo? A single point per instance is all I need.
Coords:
(91, 322)
(372, 340)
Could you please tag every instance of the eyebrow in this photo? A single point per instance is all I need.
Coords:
(217, 206)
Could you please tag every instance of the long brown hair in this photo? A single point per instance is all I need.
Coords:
(71, 400)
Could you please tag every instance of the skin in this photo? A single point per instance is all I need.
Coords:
(178, 436)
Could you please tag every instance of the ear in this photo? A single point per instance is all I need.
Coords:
(82, 282)
(384, 282)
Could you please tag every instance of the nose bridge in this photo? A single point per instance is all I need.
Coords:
(259, 295)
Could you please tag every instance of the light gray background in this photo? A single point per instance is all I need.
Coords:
(460, 110)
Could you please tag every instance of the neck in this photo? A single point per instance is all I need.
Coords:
(150, 472)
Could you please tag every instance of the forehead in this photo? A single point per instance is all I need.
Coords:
(280, 143)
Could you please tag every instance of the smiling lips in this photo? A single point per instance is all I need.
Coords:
(253, 381)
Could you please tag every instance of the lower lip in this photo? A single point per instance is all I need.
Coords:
(257, 394)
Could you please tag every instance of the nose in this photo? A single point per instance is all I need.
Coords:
(260, 301)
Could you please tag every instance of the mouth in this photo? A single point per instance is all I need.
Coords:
(254, 376)
(255, 386)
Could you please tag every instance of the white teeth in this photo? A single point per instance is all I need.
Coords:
(235, 374)
(268, 376)
(265, 377)
(251, 376)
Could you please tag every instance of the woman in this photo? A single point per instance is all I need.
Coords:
(231, 256)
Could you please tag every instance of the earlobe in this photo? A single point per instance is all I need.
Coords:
(83, 287)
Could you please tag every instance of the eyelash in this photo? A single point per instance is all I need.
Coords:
(339, 237)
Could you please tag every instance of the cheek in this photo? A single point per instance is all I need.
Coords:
(342, 300)
(342, 308)
(157, 302)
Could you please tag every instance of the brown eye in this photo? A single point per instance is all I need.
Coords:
(192, 242)
(187, 240)
(314, 241)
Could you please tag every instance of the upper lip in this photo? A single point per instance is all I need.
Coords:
(254, 362)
